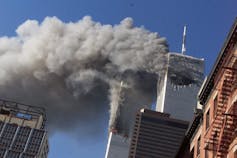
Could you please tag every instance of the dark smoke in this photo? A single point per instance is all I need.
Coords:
(75, 69)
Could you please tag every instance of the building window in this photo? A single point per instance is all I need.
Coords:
(198, 146)
(207, 119)
(215, 106)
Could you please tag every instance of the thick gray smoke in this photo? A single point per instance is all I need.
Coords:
(75, 69)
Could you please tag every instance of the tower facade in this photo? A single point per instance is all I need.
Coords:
(178, 86)
(22, 131)
(132, 100)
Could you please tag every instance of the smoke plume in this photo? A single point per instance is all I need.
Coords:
(75, 69)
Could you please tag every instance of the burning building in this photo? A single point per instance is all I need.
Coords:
(75, 70)
(178, 85)
(22, 131)
(131, 100)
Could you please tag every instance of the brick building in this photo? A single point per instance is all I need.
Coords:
(215, 136)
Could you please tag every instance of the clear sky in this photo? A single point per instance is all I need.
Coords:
(208, 22)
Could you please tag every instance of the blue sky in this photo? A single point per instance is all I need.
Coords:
(208, 22)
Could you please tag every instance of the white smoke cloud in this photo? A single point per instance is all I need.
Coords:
(70, 67)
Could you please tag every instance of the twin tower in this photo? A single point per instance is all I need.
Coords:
(177, 88)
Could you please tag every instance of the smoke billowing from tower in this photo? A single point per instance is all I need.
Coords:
(75, 69)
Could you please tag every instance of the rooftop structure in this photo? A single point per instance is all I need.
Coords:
(22, 131)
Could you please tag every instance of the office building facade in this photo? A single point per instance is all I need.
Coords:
(22, 131)
(156, 135)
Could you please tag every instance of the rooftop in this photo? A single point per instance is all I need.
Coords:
(22, 111)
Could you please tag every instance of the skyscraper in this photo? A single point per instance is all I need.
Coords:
(22, 131)
(131, 100)
(178, 86)
(156, 135)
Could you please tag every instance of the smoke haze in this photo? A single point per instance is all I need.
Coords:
(75, 69)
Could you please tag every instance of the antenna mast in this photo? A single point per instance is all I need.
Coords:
(184, 41)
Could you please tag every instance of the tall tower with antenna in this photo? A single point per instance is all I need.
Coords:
(179, 84)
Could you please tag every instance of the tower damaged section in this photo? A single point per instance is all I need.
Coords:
(135, 91)
(185, 70)
(178, 85)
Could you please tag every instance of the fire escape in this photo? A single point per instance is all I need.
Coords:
(224, 126)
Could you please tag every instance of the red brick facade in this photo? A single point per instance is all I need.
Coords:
(216, 136)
